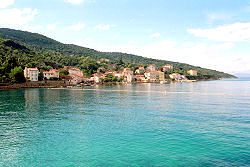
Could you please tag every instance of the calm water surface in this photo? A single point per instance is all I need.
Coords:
(208, 124)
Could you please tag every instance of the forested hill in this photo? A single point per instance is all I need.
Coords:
(49, 52)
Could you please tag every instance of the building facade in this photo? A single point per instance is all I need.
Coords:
(52, 73)
(155, 76)
(140, 70)
(31, 74)
(167, 67)
(76, 75)
(151, 67)
(192, 72)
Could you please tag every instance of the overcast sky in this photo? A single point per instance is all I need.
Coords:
(213, 33)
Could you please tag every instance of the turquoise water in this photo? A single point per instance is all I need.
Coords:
(208, 124)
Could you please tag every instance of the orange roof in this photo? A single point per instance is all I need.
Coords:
(47, 72)
(33, 69)
(55, 70)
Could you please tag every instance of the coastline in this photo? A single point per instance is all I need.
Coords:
(64, 84)
(38, 84)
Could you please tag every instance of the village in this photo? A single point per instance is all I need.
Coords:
(74, 76)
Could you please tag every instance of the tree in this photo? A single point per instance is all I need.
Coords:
(63, 73)
(110, 78)
(89, 66)
(40, 76)
(16, 75)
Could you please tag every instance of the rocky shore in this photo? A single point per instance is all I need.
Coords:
(39, 84)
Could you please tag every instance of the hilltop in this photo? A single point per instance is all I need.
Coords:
(33, 49)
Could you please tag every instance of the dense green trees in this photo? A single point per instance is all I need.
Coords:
(63, 73)
(89, 66)
(35, 50)
(16, 74)
(110, 78)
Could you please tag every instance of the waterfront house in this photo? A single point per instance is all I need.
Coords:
(31, 74)
(167, 67)
(139, 78)
(154, 76)
(151, 67)
(118, 75)
(53, 73)
(76, 75)
(128, 77)
(192, 72)
(127, 70)
(47, 74)
(97, 77)
(128, 74)
(140, 71)
(175, 76)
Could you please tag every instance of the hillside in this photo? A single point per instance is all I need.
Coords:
(48, 52)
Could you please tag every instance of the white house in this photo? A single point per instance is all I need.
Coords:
(167, 67)
(192, 72)
(52, 73)
(152, 67)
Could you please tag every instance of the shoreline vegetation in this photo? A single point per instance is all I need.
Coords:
(26, 57)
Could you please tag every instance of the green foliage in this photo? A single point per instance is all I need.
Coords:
(89, 66)
(16, 74)
(40, 76)
(110, 78)
(120, 79)
(21, 48)
(63, 73)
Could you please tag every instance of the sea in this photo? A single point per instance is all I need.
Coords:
(199, 124)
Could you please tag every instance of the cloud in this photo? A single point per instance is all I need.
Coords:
(75, 2)
(103, 27)
(218, 16)
(237, 32)
(16, 17)
(77, 27)
(6, 3)
(155, 35)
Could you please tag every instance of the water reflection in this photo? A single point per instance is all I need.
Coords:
(126, 125)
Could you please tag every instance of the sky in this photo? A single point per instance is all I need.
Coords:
(212, 34)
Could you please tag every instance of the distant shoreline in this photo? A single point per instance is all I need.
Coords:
(39, 84)
(64, 84)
